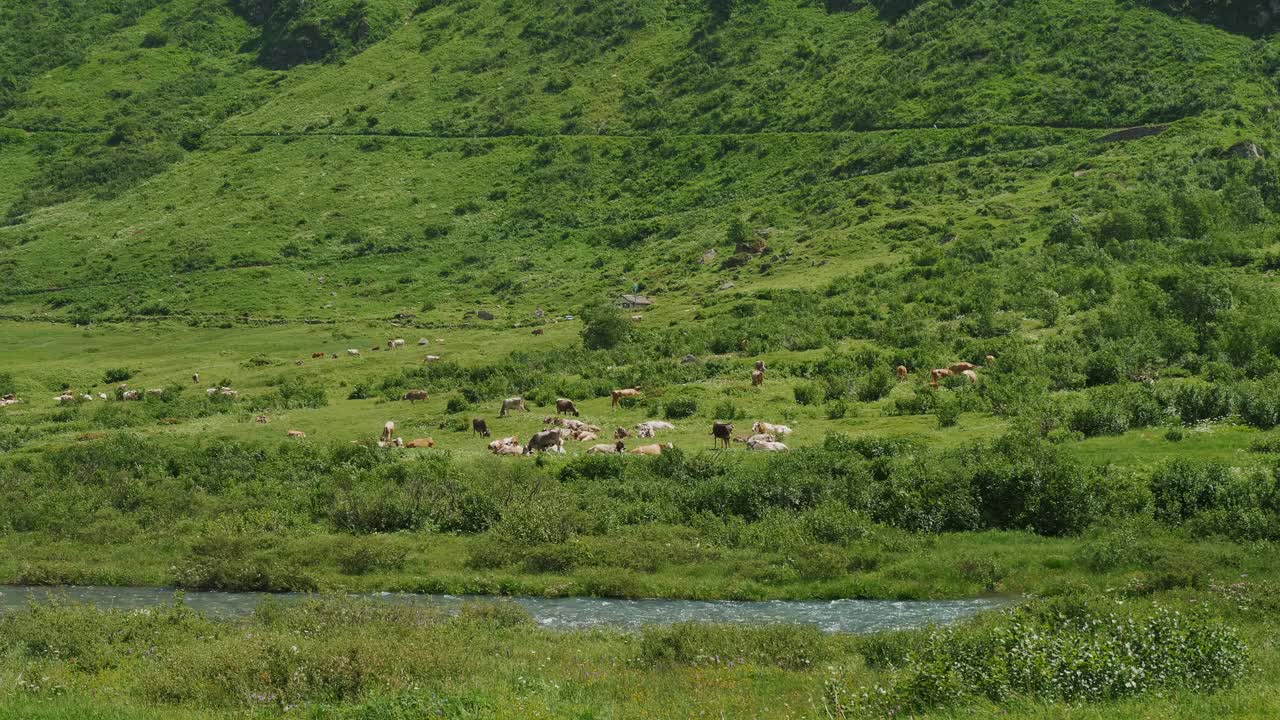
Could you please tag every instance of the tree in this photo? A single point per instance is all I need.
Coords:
(603, 326)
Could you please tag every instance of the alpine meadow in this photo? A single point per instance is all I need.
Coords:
(398, 321)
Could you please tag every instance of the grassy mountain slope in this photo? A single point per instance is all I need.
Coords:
(532, 160)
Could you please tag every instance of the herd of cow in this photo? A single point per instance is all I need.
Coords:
(764, 436)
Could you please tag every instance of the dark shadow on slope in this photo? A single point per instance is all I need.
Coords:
(292, 33)
(1247, 17)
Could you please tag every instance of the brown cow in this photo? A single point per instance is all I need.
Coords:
(478, 425)
(295, 434)
(261, 419)
(537, 331)
(972, 376)
(621, 433)
(938, 374)
(721, 433)
(421, 443)
(318, 355)
(655, 449)
(564, 406)
(617, 395)
(415, 395)
(957, 368)
(757, 378)
(901, 370)
(388, 431)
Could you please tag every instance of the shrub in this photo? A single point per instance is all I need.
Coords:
(948, 413)
(368, 555)
(556, 558)
(500, 614)
(536, 522)
(603, 326)
(1058, 650)
(679, 408)
(837, 410)
(807, 393)
(236, 563)
(359, 392)
(154, 39)
(727, 411)
(457, 404)
(791, 647)
(117, 375)
(294, 393)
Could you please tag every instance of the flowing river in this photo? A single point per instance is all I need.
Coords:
(855, 616)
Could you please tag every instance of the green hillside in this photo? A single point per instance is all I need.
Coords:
(1080, 197)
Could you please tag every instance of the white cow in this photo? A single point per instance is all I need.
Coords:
(764, 427)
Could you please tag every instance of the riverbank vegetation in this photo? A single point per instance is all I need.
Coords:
(346, 658)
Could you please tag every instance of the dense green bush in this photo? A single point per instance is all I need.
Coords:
(1061, 650)
(791, 647)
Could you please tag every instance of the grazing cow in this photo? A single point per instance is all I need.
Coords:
(901, 370)
(537, 331)
(972, 376)
(415, 395)
(566, 407)
(421, 443)
(295, 434)
(617, 395)
(388, 431)
(960, 367)
(478, 425)
(513, 441)
(721, 433)
(771, 429)
(621, 434)
(261, 419)
(195, 378)
(512, 404)
(938, 374)
(655, 449)
(395, 343)
(757, 378)
(431, 359)
(767, 446)
(545, 441)
(353, 352)
(606, 449)
(317, 355)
